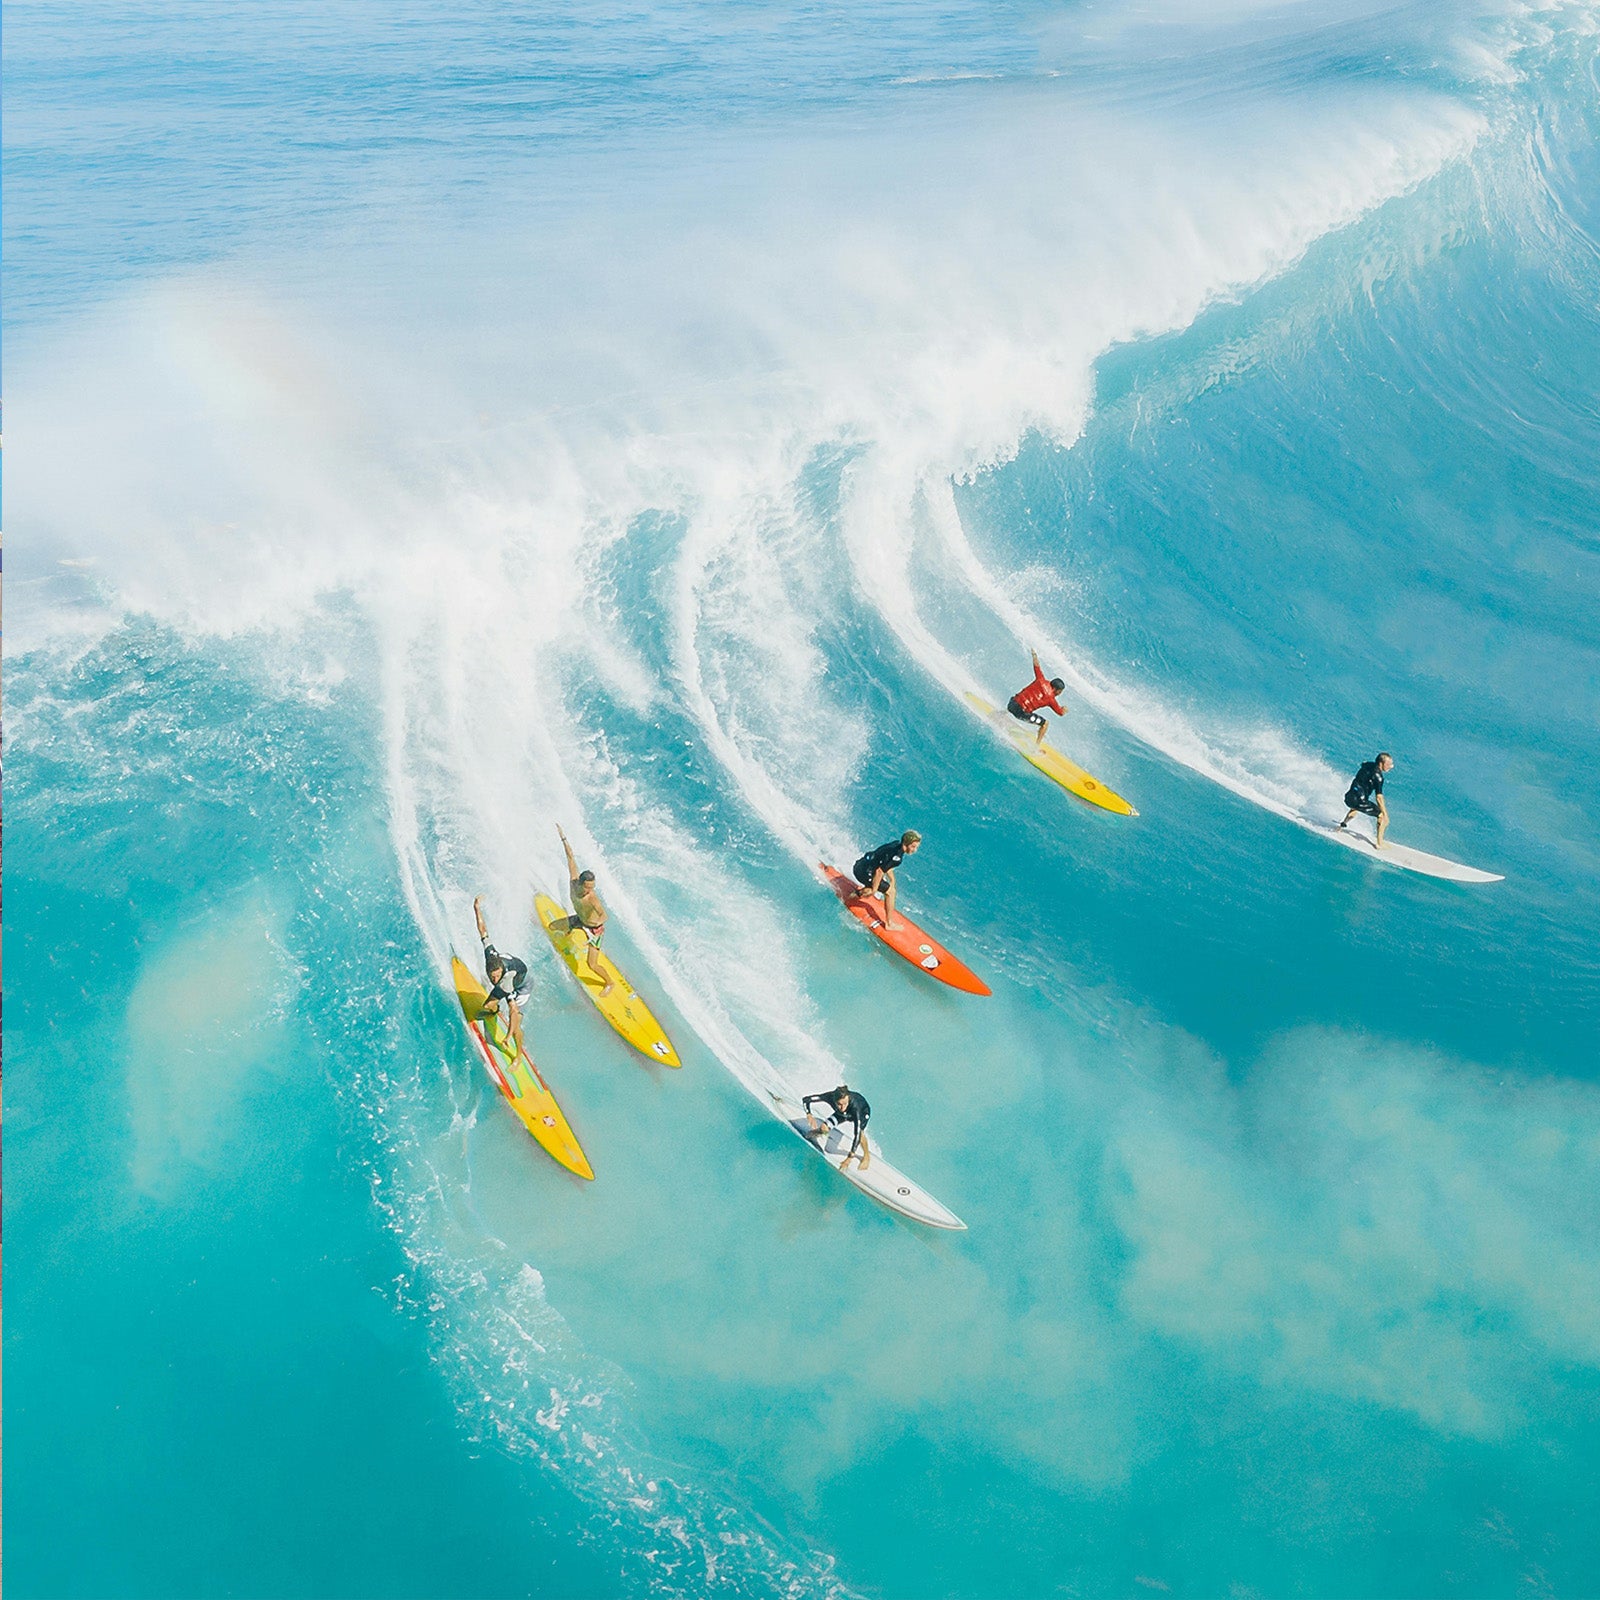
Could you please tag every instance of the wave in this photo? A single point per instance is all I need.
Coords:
(644, 496)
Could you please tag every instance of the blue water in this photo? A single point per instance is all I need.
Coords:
(433, 423)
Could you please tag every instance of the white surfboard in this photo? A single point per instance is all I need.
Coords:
(1401, 855)
(887, 1185)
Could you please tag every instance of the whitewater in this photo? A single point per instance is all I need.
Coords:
(437, 425)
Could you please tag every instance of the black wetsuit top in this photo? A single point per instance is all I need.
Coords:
(857, 1112)
(887, 856)
(512, 980)
(1367, 782)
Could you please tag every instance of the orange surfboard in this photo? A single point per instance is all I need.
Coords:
(906, 939)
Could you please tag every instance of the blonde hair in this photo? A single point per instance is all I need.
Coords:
(911, 836)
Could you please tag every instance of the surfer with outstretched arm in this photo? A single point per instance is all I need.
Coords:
(1026, 704)
(590, 915)
(875, 871)
(846, 1106)
(1365, 793)
(507, 975)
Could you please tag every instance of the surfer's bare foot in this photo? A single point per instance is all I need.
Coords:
(606, 989)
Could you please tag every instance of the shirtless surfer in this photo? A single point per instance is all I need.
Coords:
(590, 915)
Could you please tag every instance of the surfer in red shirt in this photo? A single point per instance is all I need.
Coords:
(1026, 704)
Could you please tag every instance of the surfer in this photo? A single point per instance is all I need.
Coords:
(507, 975)
(591, 915)
(875, 871)
(846, 1106)
(1365, 793)
(1026, 704)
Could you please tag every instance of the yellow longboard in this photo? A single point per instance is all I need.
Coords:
(515, 1075)
(1055, 766)
(622, 1008)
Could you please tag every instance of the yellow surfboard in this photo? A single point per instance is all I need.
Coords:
(515, 1075)
(1055, 766)
(622, 1008)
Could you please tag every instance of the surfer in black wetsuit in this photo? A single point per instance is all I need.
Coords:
(875, 871)
(1365, 793)
(846, 1106)
(507, 975)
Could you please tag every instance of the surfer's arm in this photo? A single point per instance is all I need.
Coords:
(477, 911)
(572, 862)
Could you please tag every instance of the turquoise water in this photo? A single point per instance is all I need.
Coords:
(433, 423)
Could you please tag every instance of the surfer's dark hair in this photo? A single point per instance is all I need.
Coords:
(1383, 755)
(1058, 684)
(585, 877)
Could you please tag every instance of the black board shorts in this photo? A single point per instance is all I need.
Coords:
(1015, 708)
(1357, 803)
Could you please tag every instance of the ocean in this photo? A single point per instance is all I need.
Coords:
(436, 423)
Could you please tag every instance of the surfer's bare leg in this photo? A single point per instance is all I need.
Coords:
(1383, 821)
(606, 985)
(888, 904)
(1347, 816)
(514, 1016)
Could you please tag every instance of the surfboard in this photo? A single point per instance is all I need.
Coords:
(515, 1075)
(1401, 855)
(1055, 766)
(622, 1008)
(906, 939)
(887, 1185)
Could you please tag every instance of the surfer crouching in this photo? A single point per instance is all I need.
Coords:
(1026, 704)
(1365, 793)
(507, 975)
(846, 1106)
(875, 871)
